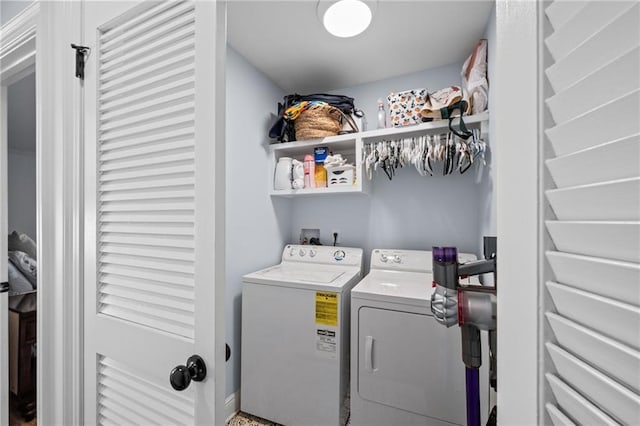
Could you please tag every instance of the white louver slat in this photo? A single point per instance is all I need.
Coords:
(592, 317)
(575, 405)
(147, 146)
(125, 397)
(137, 98)
(146, 183)
(560, 12)
(132, 62)
(155, 103)
(151, 21)
(161, 79)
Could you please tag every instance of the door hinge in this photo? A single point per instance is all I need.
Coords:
(82, 53)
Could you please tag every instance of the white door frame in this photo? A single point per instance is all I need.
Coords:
(48, 28)
(518, 167)
(60, 220)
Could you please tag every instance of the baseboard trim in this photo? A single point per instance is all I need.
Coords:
(232, 405)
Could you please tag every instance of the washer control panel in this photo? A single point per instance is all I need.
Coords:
(408, 260)
(322, 254)
(390, 258)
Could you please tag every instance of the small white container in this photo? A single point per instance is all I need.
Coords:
(298, 174)
(340, 175)
(283, 174)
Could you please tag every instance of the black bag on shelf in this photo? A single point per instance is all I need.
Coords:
(283, 129)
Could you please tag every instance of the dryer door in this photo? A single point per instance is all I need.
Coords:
(410, 362)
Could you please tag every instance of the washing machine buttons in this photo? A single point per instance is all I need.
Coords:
(339, 255)
(302, 252)
(390, 258)
(312, 253)
(292, 252)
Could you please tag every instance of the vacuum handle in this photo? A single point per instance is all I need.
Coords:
(368, 354)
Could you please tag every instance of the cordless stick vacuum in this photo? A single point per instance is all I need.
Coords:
(473, 307)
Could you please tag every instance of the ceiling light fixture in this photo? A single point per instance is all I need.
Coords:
(345, 18)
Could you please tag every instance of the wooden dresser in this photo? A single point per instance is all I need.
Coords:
(22, 355)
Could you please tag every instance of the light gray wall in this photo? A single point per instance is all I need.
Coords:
(257, 226)
(22, 192)
(410, 212)
(366, 95)
(21, 114)
(21, 131)
(9, 9)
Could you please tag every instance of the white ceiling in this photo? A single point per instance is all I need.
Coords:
(286, 40)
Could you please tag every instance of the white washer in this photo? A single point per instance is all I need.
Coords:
(295, 336)
(406, 369)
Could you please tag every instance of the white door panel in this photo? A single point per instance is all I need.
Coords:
(591, 336)
(150, 193)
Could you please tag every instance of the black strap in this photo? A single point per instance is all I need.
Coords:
(4, 287)
(345, 103)
(447, 112)
(469, 163)
(350, 121)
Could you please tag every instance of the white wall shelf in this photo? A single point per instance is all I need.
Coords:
(350, 146)
(480, 121)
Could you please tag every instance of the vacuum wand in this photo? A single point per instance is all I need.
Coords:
(472, 307)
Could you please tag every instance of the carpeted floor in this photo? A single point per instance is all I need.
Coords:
(244, 419)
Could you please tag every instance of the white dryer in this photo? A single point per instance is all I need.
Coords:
(406, 369)
(295, 336)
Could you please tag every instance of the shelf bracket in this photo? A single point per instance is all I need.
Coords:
(484, 129)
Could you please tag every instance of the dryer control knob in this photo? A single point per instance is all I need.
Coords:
(383, 257)
(312, 253)
(302, 252)
(292, 252)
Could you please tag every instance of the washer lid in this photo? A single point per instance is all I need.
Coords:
(319, 278)
(409, 288)
(305, 275)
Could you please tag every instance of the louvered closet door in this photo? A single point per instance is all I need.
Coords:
(151, 156)
(592, 328)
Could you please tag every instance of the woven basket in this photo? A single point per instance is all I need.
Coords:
(318, 122)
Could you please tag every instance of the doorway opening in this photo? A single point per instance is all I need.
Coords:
(19, 214)
(22, 269)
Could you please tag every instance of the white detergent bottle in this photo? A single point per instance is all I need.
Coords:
(382, 116)
(283, 174)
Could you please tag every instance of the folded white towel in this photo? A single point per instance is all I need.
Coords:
(334, 160)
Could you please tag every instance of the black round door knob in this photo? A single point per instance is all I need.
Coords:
(182, 375)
